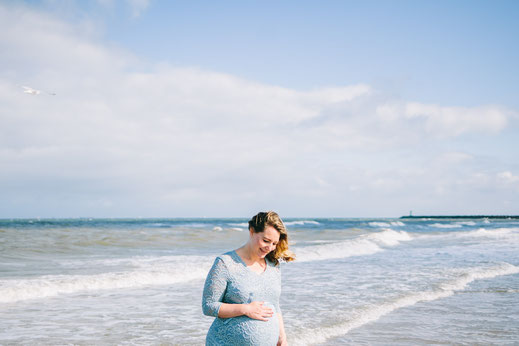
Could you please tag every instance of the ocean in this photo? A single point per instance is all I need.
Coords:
(355, 282)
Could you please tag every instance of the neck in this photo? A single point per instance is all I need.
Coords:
(251, 256)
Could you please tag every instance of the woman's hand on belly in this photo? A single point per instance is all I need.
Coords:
(258, 311)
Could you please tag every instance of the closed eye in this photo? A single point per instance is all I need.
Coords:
(268, 241)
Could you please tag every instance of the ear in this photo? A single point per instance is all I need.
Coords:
(251, 231)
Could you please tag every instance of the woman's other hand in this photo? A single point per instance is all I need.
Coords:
(282, 342)
(258, 311)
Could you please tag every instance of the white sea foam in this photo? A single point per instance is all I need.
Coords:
(466, 223)
(389, 237)
(288, 223)
(241, 224)
(457, 224)
(446, 225)
(491, 233)
(508, 233)
(372, 313)
(317, 241)
(366, 244)
(160, 225)
(301, 222)
(379, 224)
(150, 273)
(135, 261)
(219, 229)
(385, 224)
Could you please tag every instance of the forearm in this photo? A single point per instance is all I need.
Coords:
(282, 334)
(231, 310)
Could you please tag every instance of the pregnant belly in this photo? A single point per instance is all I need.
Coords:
(243, 330)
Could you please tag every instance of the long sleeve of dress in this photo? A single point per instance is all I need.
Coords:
(214, 288)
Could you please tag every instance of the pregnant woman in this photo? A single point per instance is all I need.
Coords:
(243, 287)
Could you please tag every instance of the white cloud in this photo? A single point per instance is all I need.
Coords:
(34, 44)
(106, 3)
(453, 157)
(454, 121)
(508, 177)
(172, 140)
(337, 94)
(445, 122)
(138, 6)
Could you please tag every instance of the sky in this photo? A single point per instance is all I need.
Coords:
(226, 108)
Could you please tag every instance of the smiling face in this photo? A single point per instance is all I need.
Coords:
(264, 242)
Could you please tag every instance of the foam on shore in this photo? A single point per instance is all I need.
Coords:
(372, 313)
(366, 244)
(149, 273)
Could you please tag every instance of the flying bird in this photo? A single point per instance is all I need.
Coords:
(32, 91)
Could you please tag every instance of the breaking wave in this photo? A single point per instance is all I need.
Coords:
(301, 223)
(366, 244)
(385, 224)
(149, 273)
(372, 313)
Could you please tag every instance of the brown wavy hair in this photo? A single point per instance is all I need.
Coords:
(270, 218)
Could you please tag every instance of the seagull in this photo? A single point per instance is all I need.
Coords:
(29, 90)
(32, 91)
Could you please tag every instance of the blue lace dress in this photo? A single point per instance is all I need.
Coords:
(231, 281)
